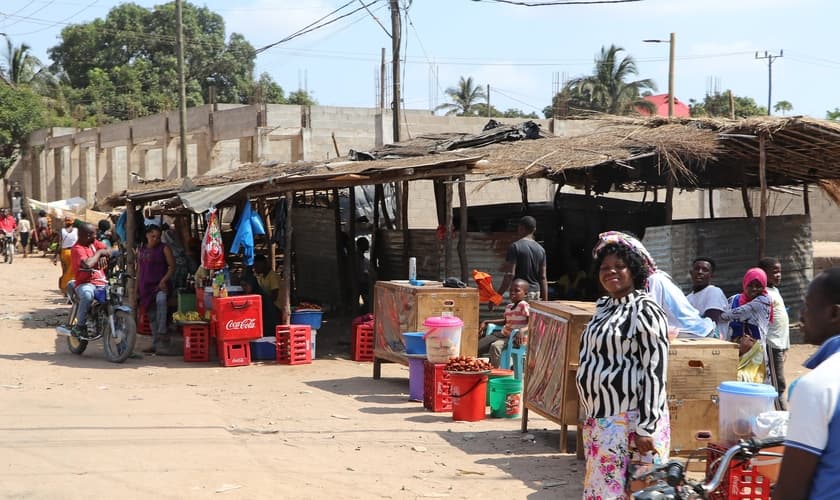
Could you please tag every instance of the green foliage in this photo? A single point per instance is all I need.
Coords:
(465, 97)
(607, 90)
(271, 92)
(21, 112)
(782, 107)
(717, 105)
(833, 115)
(301, 98)
(125, 65)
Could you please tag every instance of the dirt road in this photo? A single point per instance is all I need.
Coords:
(156, 427)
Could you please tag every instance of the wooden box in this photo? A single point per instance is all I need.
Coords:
(696, 367)
(399, 307)
(694, 424)
(551, 362)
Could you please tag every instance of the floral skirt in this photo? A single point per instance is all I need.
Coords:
(609, 445)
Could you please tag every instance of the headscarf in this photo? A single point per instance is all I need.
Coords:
(624, 239)
(752, 274)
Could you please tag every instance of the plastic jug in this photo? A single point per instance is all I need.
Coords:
(443, 337)
(740, 404)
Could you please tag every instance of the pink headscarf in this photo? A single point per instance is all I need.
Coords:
(752, 274)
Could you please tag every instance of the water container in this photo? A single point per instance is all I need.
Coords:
(443, 337)
(414, 342)
(740, 404)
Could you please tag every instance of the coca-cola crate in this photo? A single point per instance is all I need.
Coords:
(237, 318)
(234, 352)
(293, 344)
(362, 341)
(196, 342)
(744, 480)
(436, 387)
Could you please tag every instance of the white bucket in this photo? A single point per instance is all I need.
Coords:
(443, 337)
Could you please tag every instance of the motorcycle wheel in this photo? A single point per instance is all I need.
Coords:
(76, 345)
(120, 346)
(10, 253)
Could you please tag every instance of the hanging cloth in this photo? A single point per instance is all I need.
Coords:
(280, 223)
(249, 225)
(486, 291)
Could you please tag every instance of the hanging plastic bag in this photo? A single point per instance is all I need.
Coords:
(212, 249)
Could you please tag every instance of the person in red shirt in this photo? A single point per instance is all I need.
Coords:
(8, 224)
(88, 258)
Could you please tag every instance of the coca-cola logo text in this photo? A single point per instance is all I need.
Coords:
(243, 324)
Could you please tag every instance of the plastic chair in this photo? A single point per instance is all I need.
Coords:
(513, 357)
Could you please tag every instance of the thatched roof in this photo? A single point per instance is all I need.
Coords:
(616, 153)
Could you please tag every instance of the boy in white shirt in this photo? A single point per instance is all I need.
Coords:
(708, 299)
(778, 333)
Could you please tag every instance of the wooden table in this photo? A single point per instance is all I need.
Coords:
(399, 307)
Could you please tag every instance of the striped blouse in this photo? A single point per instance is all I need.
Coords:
(624, 360)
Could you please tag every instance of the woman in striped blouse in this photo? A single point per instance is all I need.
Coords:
(621, 375)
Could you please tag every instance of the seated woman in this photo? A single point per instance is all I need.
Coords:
(621, 376)
(749, 318)
(251, 286)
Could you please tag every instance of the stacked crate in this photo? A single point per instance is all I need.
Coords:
(294, 345)
(196, 342)
(437, 387)
(362, 342)
(234, 321)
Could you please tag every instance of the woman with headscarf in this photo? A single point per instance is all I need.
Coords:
(749, 319)
(67, 238)
(155, 267)
(621, 377)
(251, 286)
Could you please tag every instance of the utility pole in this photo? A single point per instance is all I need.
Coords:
(182, 87)
(770, 58)
(382, 83)
(396, 38)
(671, 42)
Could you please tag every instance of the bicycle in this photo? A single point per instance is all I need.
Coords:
(673, 485)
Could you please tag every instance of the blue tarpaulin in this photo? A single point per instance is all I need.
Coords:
(250, 224)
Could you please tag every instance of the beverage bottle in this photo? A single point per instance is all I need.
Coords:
(412, 269)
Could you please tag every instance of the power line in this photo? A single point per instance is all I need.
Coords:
(558, 2)
(63, 21)
(376, 19)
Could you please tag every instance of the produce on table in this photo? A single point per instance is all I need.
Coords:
(309, 306)
(467, 364)
(186, 316)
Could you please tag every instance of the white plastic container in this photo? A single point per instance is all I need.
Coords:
(443, 337)
(740, 404)
(412, 269)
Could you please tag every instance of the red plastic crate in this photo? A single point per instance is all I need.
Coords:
(196, 342)
(144, 325)
(237, 318)
(234, 352)
(436, 387)
(294, 344)
(362, 342)
(741, 482)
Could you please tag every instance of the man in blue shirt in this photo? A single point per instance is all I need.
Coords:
(811, 463)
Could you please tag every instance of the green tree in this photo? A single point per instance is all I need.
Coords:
(21, 112)
(717, 105)
(464, 98)
(124, 65)
(833, 115)
(20, 67)
(270, 91)
(609, 89)
(782, 107)
(301, 98)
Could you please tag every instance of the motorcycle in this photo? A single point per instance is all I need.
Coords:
(109, 318)
(7, 246)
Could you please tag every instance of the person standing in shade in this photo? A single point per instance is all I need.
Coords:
(24, 228)
(811, 462)
(778, 332)
(525, 260)
(155, 267)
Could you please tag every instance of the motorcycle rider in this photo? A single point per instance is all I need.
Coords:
(8, 224)
(88, 258)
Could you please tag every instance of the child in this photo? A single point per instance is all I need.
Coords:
(778, 335)
(750, 316)
(708, 299)
(516, 318)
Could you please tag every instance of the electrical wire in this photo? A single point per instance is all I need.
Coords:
(557, 2)
(376, 18)
(63, 21)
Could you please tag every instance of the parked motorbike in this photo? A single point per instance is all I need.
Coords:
(7, 246)
(109, 319)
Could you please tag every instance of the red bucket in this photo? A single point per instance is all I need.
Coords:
(469, 395)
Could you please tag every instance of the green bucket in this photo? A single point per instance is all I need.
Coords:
(497, 373)
(505, 398)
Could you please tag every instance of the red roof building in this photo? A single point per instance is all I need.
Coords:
(661, 102)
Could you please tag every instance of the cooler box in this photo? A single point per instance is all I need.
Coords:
(264, 349)
(237, 318)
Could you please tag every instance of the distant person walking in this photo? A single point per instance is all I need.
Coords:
(67, 238)
(525, 260)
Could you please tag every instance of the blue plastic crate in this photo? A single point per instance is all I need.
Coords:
(264, 349)
(308, 317)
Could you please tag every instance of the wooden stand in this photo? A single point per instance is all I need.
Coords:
(399, 307)
(551, 364)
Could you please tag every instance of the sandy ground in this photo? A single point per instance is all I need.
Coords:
(156, 427)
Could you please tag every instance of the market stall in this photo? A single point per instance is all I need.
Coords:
(400, 307)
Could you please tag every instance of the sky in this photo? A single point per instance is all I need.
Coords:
(519, 51)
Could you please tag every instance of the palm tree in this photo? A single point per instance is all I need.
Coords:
(783, 107)
(607, 89)
(21, 67)
(464, 97)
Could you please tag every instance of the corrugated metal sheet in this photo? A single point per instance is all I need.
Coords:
(485, 252)
(314, 246)
(733, 244)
